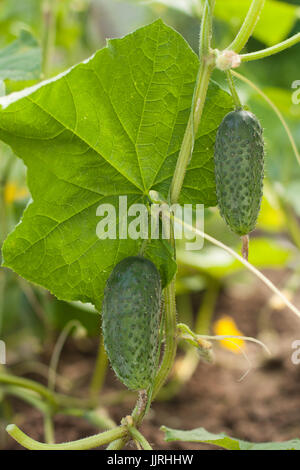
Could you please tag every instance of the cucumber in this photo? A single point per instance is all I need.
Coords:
(131, 321)
(239, 170)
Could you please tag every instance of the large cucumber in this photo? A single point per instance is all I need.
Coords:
(239, 170)
(131, 321)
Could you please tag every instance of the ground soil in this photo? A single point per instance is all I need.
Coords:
(264, 406)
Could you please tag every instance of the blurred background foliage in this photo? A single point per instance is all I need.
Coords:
(29, 315)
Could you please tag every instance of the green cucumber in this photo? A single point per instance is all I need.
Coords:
(131, 321)
(239, 170)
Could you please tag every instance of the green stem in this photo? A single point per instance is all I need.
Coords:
(2, 296)
(57, 400)
(201, 87)
(137, 416)
(271, 50)
(233, 91)
(57, 352)
(95, 417)
(206, 68)
(99, 371)
(49, 21)
(48, 428)
(29, 385)
(207, 307)
(248, 26)
(137, 436)
(118, 444)
(170, 338)
(206, 29)
(64, 401)
(28, 397)
(82, 444)
(34, 302)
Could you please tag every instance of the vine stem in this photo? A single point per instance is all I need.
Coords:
(49, 428)
(245, 246)
(57, 352)
(206, 28)
(248, 26)
(95, 417)
(25, 396)
(206, 310)
(99, 371)
(233, 91)
(34, 302)
(204, 74)
(187, 365)
(49, 9)
(57, 400)
(192, 127)
(206, 67)
(137, 436)
(81, 444)
(29, 385)
(170, 338)
(118, 444)
(271, 50)
(133, 420)
(207, 63)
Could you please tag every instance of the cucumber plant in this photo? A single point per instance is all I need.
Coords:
(141, 115)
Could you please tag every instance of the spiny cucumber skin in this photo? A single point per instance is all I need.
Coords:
(131, 321)
(239, 170)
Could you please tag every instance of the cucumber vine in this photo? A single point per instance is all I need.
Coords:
(210, 59)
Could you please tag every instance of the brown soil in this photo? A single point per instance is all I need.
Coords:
(265, 406)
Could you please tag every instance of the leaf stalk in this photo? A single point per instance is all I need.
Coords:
(271, 50)
(81, 444)
(248, 26)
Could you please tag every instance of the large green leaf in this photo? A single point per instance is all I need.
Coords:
(224, 441)
(110, 126)
(21, 60)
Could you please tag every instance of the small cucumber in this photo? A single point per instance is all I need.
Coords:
(239, 170)
(131, 321)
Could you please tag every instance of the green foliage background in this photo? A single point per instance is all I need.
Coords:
(82, 28)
